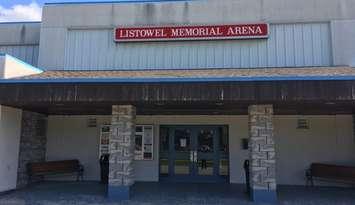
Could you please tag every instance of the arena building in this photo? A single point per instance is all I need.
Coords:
(180, 91)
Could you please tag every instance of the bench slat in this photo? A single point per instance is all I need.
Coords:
(333, 172)
(53, 167)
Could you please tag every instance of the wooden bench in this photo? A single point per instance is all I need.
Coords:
(55, 167)
(328, 172)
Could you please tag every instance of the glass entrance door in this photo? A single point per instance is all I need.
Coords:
(182, 151)
(206, 154)
(191, 153)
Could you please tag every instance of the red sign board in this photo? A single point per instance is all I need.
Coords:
(173, 33)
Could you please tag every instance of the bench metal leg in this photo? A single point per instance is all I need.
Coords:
(80, 176)
(310, 181)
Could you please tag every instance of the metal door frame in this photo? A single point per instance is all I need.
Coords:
(193, 176)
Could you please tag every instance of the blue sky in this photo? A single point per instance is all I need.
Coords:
(29, 10)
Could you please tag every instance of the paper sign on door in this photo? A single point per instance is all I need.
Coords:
(182, 142)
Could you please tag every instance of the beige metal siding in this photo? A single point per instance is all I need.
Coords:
(289, 45)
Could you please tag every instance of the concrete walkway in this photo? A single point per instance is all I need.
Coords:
(91, 193)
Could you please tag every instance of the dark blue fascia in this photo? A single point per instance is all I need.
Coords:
(112, 2)
(176, 80)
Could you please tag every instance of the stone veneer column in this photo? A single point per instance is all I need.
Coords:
(32, 143)
(121, 151)
(262, 154)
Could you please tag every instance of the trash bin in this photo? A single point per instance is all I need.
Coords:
(104, 165)
(247, 176)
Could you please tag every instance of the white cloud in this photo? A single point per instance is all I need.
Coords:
(21, 12)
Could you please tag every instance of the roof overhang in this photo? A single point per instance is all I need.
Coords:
(227, 97)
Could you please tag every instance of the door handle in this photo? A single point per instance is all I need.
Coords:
(193, 156)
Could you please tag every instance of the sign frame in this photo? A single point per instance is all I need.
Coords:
(118, 39)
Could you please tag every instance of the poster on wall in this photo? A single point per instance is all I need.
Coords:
(104, 140)
(144, 141)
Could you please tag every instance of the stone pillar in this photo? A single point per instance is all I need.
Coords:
(121, 152)
(32, 144)
(262, 154)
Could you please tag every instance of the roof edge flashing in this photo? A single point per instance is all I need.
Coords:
(175, 80)
(114, 2)
(20, 22)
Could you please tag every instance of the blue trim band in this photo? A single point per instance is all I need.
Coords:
(118, 193)
(114, 2)
(177, 80)
(26, 65)
(263, 196)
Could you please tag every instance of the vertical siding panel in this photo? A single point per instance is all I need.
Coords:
(68, 55)
(244, 57)
(240, 51)
(35, 55)
(200, 55)
(116, 53)
(92, 51)
(83, 47)
(218, 55)
(262, 54)
(317, 44)
(230, 54)
(272, 48)
(28, 53)
(326, 44)
(236, 55)
(22, 52)
(280, 46)
(307, 45)
(289, 46)
(110, 55)
(187, 55)
(78, 40)
(132, 62)
(123, 53)
(209, 55)
(101, 58)
(66, 51)
(73, 51)
(196, 56)
(253, 54)
(173, 56)
(298, 38)
(98, 57)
